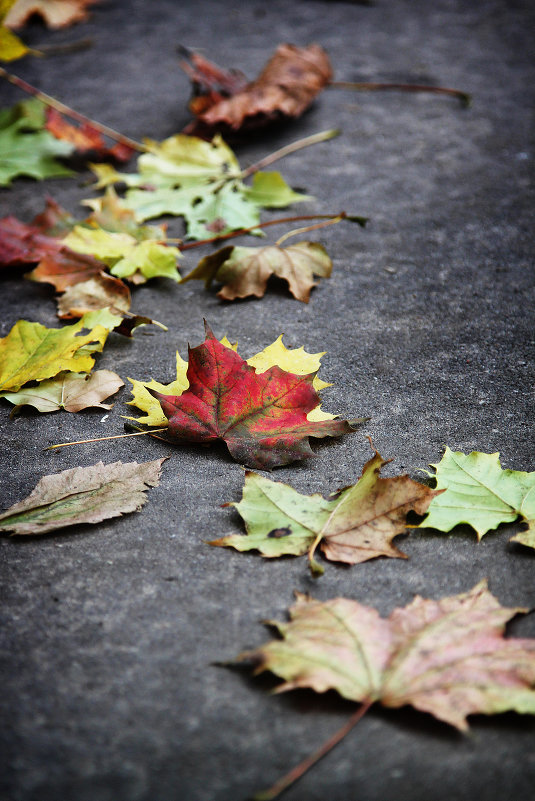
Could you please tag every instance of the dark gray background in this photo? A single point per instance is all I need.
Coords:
(110, 632)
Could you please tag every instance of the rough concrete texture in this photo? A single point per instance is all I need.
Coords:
(110, 632)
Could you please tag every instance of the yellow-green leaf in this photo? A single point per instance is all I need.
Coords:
(32, 352)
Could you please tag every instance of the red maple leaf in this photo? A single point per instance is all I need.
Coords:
(262, 418)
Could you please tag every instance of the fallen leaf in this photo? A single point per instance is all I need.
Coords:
(32, 352)
(245, 271)
(65, 269)
(270, 190)
(87, 141)
(70, 391)
(261, 418)
(291, 360)
(448, 658)
(479, 493)
(285, 88)
(201, 181)
(26, 148)
(11, 47)
(54, 13)
(124, 254)
(358, 524)
(23, 244)
(101, 292)
(83, 495)
(54, 220)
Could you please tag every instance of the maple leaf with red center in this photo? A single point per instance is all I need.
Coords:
(262, 418)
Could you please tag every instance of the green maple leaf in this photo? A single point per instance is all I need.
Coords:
(479, 493)
(26, 148)
(202, 182)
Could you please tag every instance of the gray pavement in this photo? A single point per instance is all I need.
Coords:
(110, 632)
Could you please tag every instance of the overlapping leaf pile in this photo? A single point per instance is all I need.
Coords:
(31, 353)
(200, 181)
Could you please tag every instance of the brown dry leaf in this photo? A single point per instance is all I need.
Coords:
(83, 495)
(99, 292)
(245, 271)
(66, 268)
(285, 88)
(70, 391)
(54, 13)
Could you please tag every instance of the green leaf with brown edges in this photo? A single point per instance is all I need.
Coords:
(357, 524)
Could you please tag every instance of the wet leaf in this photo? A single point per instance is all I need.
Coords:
(245, 271)
(70, 391)
(448, 658)
(26, 148)
(357, 524)
(32, 352)
(261, 418)
(285, 88)
(82, 495)
(479, 493)
(54, 13)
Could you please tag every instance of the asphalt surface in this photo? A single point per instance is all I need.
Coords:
(110, 632)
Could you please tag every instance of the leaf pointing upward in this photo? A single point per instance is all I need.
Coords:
(262, 418)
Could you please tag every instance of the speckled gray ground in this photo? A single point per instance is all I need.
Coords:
(109, 633)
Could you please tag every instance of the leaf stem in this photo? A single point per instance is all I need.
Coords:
(101, 439)
(307, 228)
(314, 139)
(69, 112)
(365, 86)
(298, 218)
(296, 773)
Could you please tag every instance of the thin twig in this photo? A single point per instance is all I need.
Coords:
(314, 139)
(296, 773)
(365, 86)
(298, 218)
(69, 112)
(101, 439)
(305, 229)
